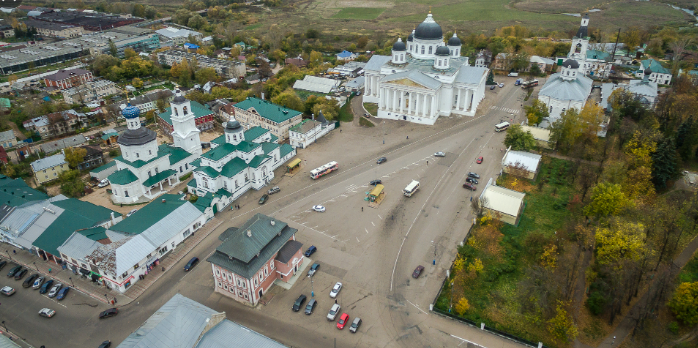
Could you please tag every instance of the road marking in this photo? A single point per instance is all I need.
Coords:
(374, 225)
(415, 306)
(357, 239)
(379, 217)
(464, 340)
(366, 230)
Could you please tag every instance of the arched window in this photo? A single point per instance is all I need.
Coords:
(422, 49)
(184, 110)
(175, 111)
(429, 49)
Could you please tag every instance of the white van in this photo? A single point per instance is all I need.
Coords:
(411, 188)
(513, 74)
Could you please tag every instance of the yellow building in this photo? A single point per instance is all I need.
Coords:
(49, 168)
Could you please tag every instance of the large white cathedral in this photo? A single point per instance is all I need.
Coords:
(425, 78)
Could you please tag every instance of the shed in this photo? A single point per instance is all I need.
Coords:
(521, 163)
(502, 203)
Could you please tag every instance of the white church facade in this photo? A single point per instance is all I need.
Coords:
(424, 79)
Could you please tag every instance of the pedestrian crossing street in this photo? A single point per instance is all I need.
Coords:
(499, 108)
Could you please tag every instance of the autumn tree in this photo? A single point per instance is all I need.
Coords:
(315, 59)
(136, 82)
(290, 100)
(462, 306)
(536, 112)
(75, 156)
(620, 241)
(684, 303)
(562, 326)
(565, 131)
(518, 139)
(606, 199)
(12, 79)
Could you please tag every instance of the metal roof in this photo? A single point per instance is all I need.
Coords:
(6, 342)
(655, 66)
(471, 75)
(268, 110)
(7, 135)
(77, 246)
(502, 199)
(557, 88)
(414, 76)
(288, 250)
(527, 160)
(60, 144)
(228, 334)
(16, 192)
(156, 215)
(376, 62)
(122, 177)
(48, 162)
(644, 88)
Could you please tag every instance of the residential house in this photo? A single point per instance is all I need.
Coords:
(657, 72)
(103, 172)
(109, 137)
(299, 62)
(502, 203)
(317, 84)
(149, 101)
(521, 163)
(57, 30)
(8, 139)
(204, 118)
(252, 79)
(544, 64)
(6, 31)
(60, 144)
(224, 68)
(308, 131)
(65, 79)
(90, 91)
(483, 59)
(502, 61)
(542, 135)
(346, 55)
(252, 257)
(37, 124)
(49, 168)
(275, 118)
(3, 155)
(93, 159)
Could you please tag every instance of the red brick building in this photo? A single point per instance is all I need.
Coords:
(65, 79)
(253, 256)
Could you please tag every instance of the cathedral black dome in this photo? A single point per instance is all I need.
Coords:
(138, 136)
(571, 63)
(232, 126)
(428, 30)
(442, 51)
(454, 41)
(399, 46)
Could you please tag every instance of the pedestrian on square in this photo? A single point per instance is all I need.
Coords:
(362, 209)
(49, 271)
(163, 268)
(14, 251)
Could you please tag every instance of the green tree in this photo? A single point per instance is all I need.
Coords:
(196, 21)
(130, 53)
(75, 156)
(290, 100)
(686, 138)
(136, 82)
(102, 64)
(278, 55)
(490, 79)
(160, 104)
(536, 112)
(112, 48)
(71, 184)
(606, 199)
(315, 59)
(518, 139)
(562, 326)
(205, 75)
(684, 303)
(534, 71)
(665, 164)
(565, 131)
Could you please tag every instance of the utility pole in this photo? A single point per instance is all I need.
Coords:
(613, 55)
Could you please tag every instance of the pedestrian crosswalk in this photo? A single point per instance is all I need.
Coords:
(499, 108)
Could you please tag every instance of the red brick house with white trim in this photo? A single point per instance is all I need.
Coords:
(253, 256)
(65, 79)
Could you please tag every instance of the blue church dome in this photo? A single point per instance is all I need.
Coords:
(131, 112)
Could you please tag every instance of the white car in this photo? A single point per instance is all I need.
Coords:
(7, 291)
(47, 312)
(103, 183)
(439, 154)
(319, 208)
(131, 212)
(501, 85)
(54, 290)
(333, 312)
(335, 290)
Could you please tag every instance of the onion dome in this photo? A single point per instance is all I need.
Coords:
(178, 99)
(130, 112)
(442, 51)
(454, 40)
(399, 45)
(411, 36)
(648, 71)
(428, 30)
(232, 126)
(571, 64)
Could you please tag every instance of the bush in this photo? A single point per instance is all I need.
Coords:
(674, 327)
(596, 302)
(193, 198)
(114, 153)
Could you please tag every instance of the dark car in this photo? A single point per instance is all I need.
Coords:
(63, 293)
(471, 180)
(20, 274)
(493, 87)
(105, 344)
(473, 175)
(469, 186)
(417, 271)
(310, 251)
(14, 271)
(191, 264)
(30, 280)
(47, 285)
(375, 182)
(381, 160)
(3, 264)
(108, 313)
(263, 199)
(479, 160)
(310, 307)
(299, 303)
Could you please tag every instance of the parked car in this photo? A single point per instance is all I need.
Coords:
(310, 307)
(336, 289)
(30, 280)
(264, 198)
(299, 303)
(105, 344)
(191, 264)
(355, 325)
(38, 282)
(375, 182)
(493, 87)
(471, 180)
(273, 190)
(310, 251)
(501, 85)
(319, 208)
(62, 293)
(20, 274)
(417, 271)
(108, 313)
(3, 264)
(47, 312)
(13, 271)
(479, 160)
(439, 154)
(54, 290)
(513, 74)
(333, 312)
(342, 321)
(131, 212)
(469, 186)
(7, 291)
(473, 175)
(381, 160)
(47, 285)
(103, 183)
(313, 269)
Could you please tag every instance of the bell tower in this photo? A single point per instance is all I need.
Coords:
(185, 134)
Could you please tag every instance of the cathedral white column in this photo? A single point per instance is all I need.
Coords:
(424, 107)
(402, 100)
(433, 105)
(460, 99)
(380, 100)
(394, 100)
(466, 102)
(416, 104)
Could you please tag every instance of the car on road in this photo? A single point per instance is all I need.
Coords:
(471, 180)
(191, 264)
(479, 160)
(319, 208)
(299, 303)
(310, 307)
(20, 274)
(273, 190)
(469, 186)
(313, 269)
(38, 282)
(355, 325)
(30, 280)
(342, 321)
(336, 289)
(375, 182)
(13, 271)
(105, 344)
(264, 199)
(103, 183)
(311, 250)
(333, 312)
(47, 312)
(3, 264)
(417, 271)
(439, 154)
(108, 313)
(131, 212)
(54, 290)
(473, 175)
(62, 293)
(381, 160)
(47, 285)
(493, 87)
(501, 85)
(7, 291)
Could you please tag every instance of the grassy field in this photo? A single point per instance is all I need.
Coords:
(372, 108)
(359, 13)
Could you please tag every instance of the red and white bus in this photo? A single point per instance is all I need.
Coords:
(529, 84)
(324, 170)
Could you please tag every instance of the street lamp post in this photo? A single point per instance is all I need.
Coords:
(312, 291)
(451, 303)
(8, 254)
(37, 267)
(71, 281)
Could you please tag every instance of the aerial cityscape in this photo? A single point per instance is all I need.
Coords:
(296, 173)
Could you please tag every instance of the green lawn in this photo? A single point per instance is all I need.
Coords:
(305, 94)
(361, 13)
(689, 273)
(345, 114)
(254, 26)
(372, 108)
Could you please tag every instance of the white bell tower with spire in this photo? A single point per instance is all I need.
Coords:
(185, 134)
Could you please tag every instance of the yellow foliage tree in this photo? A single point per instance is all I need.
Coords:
(623, 240)
(462, 306)
(476, 267)
(74, 156)
(136, 82)
(639, 150)
(458, 263)
(561, 326)
(549, 257)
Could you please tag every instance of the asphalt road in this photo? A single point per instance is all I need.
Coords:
(373, 252)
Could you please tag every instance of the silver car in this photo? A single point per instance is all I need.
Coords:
(335, 290)
(38, 282)
(439, 154)
(55, 289)
(333, 312)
